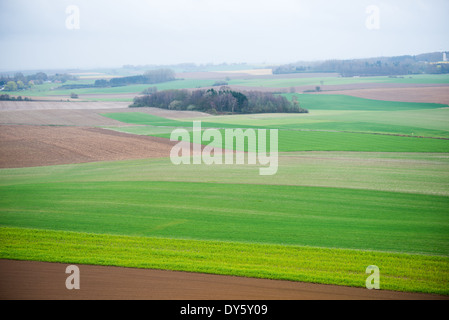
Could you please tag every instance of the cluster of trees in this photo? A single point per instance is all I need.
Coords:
(15, 86)
(19, 81)
(7, 97)
(219, 101)
(149, 90)
(149, 77)
(220, 83)
(20, 78)
(384, 66)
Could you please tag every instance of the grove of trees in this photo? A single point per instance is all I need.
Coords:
(7, 97)
(221, 101)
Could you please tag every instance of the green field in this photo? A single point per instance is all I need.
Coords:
(327, 113)
(307, 133)
(49, 89)
(151, 202)
(341, 102)
(309, 216)
(360, 182)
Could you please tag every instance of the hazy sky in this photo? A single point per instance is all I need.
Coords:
(39, 34)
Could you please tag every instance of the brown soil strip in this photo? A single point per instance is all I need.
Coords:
(89, 118)
(78, 114)
(360, 86)
(59, 105)
(331, 89)
(420, 94)
(30, 146)
(27, 280)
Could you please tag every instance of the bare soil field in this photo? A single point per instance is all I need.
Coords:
(347, 88)
(412, 94)
(62, 117)
(77, 113)
(98, 107)
(30, 146)
(59, 105)
(93, 97)
(28, 280)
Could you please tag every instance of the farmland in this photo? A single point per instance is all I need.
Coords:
(244, 81)
(360, 182)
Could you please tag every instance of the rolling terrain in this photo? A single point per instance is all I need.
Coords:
(360, 182)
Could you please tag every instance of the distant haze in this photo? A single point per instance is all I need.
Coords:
(40, 34)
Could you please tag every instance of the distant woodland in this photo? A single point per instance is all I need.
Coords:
(149, 77)
(21, 82)
(430, 63)
(222, 101)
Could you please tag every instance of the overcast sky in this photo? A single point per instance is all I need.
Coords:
(41, 34)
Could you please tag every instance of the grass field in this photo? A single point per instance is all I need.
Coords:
(296, 136)
(355, 219)
(341, 102)
(119, 202)
(421, 173)
(327, 113)
(205, 211)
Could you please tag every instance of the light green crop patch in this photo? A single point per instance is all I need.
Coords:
(399, 272)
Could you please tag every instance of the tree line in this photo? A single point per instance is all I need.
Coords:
(7, 97)
(383, 66)
(222, 101)
(149, 77)
(19, 81)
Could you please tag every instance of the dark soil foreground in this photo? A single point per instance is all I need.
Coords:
(26, 280)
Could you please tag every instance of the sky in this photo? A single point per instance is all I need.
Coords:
(88, 34)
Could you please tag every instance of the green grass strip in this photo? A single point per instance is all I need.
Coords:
(298, 140)
(342, 102)
(284, 215)
(151, 120)
(398, 272)
(289, 141)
